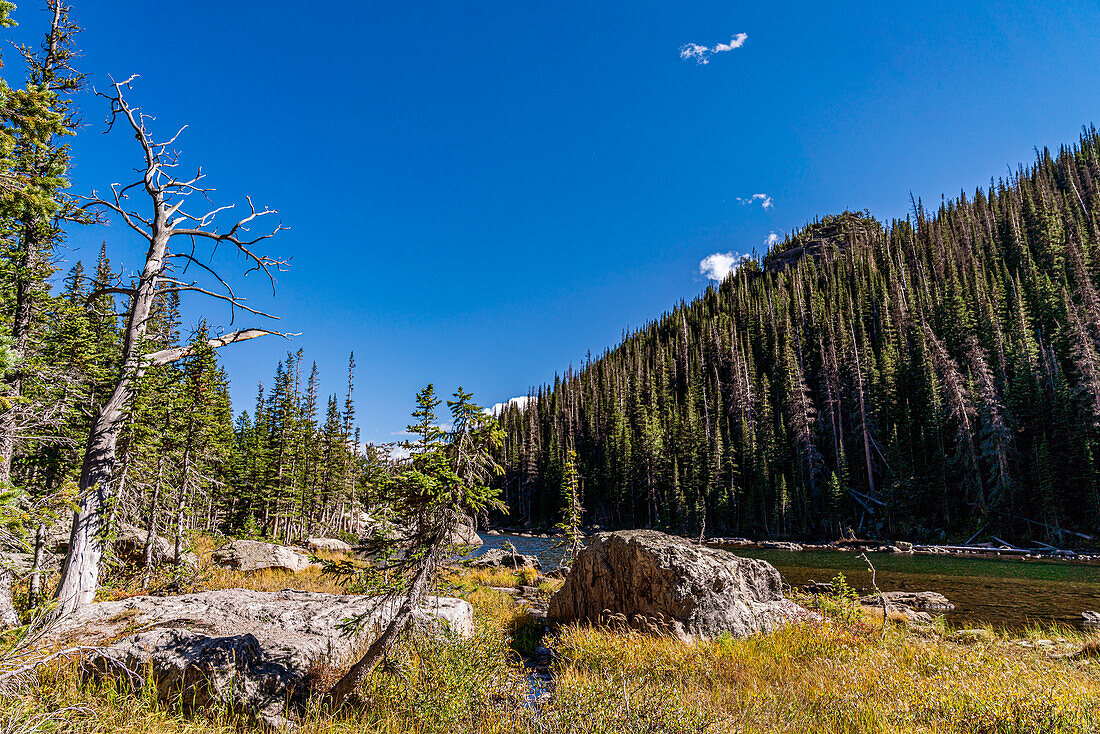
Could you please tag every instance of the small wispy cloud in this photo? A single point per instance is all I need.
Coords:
(772, 239)
(765, 200)
(520, 402)
(701, 54)
(719, 265)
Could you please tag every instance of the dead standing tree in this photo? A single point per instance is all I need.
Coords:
(166, 221)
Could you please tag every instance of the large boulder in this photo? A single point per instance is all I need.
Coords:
(21, 564)
(252, 555)
(328, 544)
(380, 529)
(130, 546)
(651, 580)
(504, 558)
(466, 535)
(253, 649)
(57, 536)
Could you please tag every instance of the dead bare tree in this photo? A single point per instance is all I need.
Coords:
(164, 222)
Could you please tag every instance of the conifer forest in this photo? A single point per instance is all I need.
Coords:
(934, 375)
(108, 405)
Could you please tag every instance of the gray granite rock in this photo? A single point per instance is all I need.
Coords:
(671, 583)
(251, 649)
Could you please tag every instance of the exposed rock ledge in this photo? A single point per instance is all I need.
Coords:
(250, 648)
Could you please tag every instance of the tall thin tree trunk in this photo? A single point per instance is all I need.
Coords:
(150, 525)
(35, 591)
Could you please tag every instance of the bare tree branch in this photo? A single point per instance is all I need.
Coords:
(110, 290)
(167, 356)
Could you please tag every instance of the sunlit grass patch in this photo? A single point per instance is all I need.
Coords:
(828, 677)
(500, 577)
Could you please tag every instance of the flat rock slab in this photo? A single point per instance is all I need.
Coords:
(647, 579)
(252, 649)
(252, 555)
(779, 545)
(922, 601)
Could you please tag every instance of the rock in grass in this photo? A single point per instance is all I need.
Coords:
(1091, 619)
(922, 601)
(130, 546)
(504, 558)
(251, 649)
(779, 545)
(328, 544)
(656, 581)
(252, 555)
(974, 636)
(463, 534)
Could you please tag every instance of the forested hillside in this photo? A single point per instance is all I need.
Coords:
(937, 374)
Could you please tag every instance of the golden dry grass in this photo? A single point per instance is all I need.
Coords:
(824, 678)
(846, 676)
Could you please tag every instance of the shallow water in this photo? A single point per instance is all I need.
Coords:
(1009, 593)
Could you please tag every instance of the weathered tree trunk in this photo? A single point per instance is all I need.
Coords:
(167, 219)
(151, 527)
(8, 617)
(80, 575)
(34, 593)
(181, 500)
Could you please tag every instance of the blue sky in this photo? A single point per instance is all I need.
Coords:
(481, 193)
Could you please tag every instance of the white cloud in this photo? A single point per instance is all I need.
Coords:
(719, 265)
(765, 200)
(520, 401)
(772, 239)
(702, 54)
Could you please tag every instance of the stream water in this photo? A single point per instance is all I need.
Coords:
(1003, 592)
